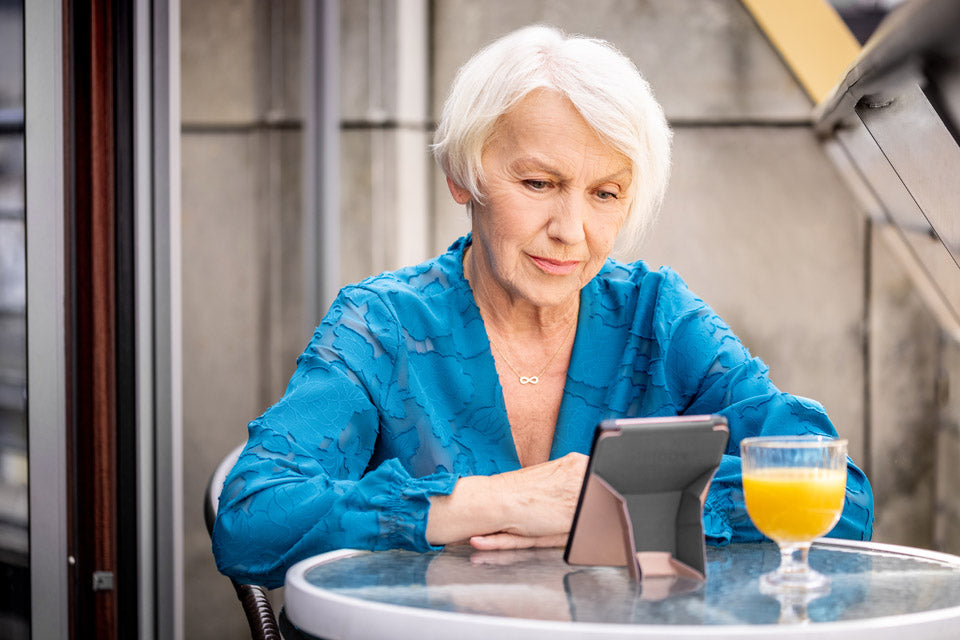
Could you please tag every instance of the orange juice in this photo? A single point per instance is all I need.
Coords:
(794, 504)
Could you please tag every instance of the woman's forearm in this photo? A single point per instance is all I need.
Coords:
(531, 502)
(475, 507)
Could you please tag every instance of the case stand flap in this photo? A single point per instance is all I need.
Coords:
(647, 516)
(622, 548)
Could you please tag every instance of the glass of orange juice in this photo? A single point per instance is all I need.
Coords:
(794, 488)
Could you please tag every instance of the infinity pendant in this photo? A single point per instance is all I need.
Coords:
(529, 380)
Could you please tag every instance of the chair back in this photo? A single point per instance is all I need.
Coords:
(211, 497)
(253, 598)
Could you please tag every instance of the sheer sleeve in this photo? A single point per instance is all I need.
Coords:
(714, 373)
(304, 483)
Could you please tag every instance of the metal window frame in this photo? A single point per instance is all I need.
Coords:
(159, 313)
(46, 319)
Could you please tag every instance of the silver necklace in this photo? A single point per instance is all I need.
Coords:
(534, 379)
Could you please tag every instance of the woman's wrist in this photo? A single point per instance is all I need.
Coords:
(475, 507)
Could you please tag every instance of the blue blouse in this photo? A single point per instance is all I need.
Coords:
(397, 396)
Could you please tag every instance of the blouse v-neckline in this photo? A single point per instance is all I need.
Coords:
(561, 443)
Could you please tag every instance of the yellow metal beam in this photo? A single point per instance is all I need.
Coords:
(812, 39)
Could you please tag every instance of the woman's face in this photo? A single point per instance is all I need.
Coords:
(554, 200)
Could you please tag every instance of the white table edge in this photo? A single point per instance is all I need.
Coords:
(310, 608)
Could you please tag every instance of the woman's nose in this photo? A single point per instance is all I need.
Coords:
(567, 218)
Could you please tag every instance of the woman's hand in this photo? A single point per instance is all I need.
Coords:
(529, 507)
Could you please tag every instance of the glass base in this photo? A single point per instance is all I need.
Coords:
(794, 573)
(808, 580)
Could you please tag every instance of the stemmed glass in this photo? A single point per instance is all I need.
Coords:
(794, 488)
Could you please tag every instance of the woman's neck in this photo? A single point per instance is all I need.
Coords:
(511, 317)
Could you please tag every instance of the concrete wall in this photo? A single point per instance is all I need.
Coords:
(914, 408)
(756, 220)
(946, 530)
(241, 150)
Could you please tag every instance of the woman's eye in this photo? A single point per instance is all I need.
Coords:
(537, 185)
(607, 195)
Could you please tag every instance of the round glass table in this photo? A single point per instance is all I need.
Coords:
(876, 591)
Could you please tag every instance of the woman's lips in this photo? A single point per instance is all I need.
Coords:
(555, 267)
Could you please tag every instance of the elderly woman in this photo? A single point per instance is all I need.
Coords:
(454, 401)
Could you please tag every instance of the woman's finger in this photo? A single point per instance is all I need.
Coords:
(495, 541)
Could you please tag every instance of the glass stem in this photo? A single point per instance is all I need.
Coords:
(793, 558)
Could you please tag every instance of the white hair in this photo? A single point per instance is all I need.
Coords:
(604, 86)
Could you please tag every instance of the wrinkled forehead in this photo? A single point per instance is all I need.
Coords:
(545, 110)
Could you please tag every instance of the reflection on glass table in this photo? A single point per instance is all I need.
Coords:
(876, 591)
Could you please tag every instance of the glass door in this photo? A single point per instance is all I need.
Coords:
(14, 540)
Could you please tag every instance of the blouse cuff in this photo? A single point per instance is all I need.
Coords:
(404, 511)
(716, 525)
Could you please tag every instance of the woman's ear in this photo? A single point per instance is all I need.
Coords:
(461, 195)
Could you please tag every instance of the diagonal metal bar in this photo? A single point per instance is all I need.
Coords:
(924, 155)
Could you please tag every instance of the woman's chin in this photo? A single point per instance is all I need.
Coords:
(559, 294)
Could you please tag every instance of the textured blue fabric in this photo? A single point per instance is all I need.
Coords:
(397, 396)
